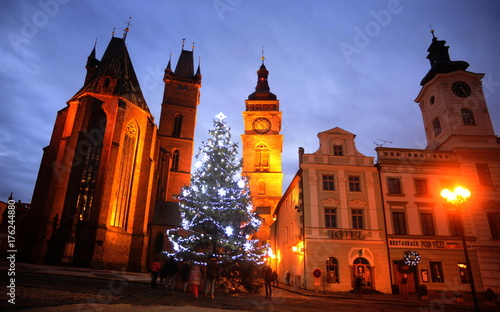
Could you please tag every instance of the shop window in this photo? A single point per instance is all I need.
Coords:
(436, 272)
(332, 270)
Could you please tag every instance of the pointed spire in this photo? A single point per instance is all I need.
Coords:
(113, 32)
(262, 90)
(198, 70)
(263, 57)
(10, 197)
(126, 30)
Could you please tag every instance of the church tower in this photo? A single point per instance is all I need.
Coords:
(262, 145)
(91, 201)
(452, 102)
(176, 136)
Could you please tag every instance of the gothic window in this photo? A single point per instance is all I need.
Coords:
(394, 185)
(262, 158)
(427, 223)
(177, 125)
(175, 160)
(437, 126)
(91, 142)
(330, 218)
(468, 117)
(119, 214)
(328, 183)
(357, 218)
(399, 222)
(483, 172)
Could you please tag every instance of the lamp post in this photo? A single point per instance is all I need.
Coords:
(457, 197)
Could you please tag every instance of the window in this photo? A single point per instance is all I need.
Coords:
(357, 218)
(421, 187)
(262, 158)
(462, 272)
(399, 223)
(332, 270)
(262, 187)
(177, 125)
(468, 117)
(437, 126)
(427, 223)
(354, 184)
(483, 172)
(263, 210)
(338, 150)
(175, 160)
(328, 183)
(456, 227)
(330, 218)
(436, 272)
(394, 185)
(494, 223)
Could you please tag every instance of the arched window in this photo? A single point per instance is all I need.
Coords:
(262, 187)
(119, 214)
(468, 117)
(175, 160)
(262, 158)
(332, 270)
(177, 125)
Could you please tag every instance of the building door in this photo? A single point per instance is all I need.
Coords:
(400, 268)
(361, 267)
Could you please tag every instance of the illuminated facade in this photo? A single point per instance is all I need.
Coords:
(462, 150)
(330, 219)
(262, 145)
(108, 164)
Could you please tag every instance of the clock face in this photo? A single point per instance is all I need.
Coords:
(261, 125)
(461, 89)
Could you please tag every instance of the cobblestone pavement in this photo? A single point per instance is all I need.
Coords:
(49, 288)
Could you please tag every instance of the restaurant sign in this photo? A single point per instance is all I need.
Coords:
(424, 243)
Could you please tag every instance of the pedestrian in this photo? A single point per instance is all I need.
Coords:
(155, 271)
(404, 288)
(275, 279)
(358, 284)
(288, 278)
(169, 270)
(268, 278)
(211, 277)
(185, 269)
(195, 279)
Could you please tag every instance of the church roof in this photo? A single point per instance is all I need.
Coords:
(116, 64)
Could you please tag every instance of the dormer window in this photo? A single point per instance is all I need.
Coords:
(338, 150)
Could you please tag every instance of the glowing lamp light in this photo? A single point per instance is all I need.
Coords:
(457, 196)
(295, 249)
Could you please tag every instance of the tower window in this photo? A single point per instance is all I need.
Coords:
(437, 126)
(175, 160)
(262, 158)
(177, 125)
(468, 117)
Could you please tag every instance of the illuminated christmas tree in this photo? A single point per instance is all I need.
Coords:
(217, 220)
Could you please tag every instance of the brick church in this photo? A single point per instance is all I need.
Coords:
(105, 190)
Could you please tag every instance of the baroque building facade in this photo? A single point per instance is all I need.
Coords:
(397, 222)
(107, 179)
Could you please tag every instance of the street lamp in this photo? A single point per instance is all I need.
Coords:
(457, 197)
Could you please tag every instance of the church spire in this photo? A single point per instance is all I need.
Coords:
(262, 90)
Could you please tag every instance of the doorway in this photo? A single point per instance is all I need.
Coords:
(361, 267)
(399, 268)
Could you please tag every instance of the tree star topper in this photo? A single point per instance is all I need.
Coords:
(221, 116)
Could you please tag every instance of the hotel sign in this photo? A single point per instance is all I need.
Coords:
(424, 243)
(345, 234)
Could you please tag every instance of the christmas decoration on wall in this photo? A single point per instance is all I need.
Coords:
(412, 258)
(216, 208)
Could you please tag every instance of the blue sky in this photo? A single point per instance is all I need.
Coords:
(350, 64)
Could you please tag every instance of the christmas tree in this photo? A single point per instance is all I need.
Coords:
(216, 209)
